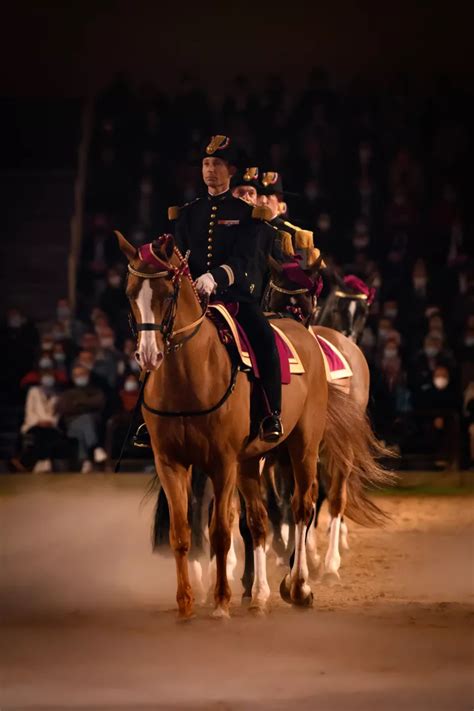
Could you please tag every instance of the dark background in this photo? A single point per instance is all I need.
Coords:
(71, 49)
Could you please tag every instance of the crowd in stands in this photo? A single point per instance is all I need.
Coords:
(381, 177)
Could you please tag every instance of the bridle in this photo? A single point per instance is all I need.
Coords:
(175, 275)
(296, 312)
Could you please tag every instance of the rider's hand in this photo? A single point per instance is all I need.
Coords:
(206, 284)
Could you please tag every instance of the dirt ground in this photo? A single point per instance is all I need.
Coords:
(89, 621)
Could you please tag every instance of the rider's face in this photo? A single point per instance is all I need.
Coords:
(216, 173)
(270, 201)
(246, 192)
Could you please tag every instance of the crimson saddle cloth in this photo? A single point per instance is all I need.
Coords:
(290, 362)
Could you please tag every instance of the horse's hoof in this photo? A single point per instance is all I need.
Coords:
(331, 579)
(285, 589)
(220, 613)
(185, 617)
(246, 599)
(302, 596)
(258, 608)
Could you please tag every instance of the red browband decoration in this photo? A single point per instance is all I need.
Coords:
(148, 255)
(360, 287)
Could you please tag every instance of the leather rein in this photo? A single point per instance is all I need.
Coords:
(166, 328)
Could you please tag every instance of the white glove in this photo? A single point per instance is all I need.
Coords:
(206, 284)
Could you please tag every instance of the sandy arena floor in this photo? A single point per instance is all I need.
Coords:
(89, 618)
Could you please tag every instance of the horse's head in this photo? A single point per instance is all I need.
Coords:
(347, 307)
(154, 280)
(294, 290)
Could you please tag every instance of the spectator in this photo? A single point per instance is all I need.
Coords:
(81, 407)
(42, 438)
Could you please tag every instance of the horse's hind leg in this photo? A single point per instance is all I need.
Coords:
(257, 519)
(175, 484)
(304, 457)
(337, 497)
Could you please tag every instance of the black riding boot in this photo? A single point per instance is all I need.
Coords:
(262, 340)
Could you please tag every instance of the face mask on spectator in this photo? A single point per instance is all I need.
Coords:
(15, 321)
(81, 381)
(107, 342)
(63, 312)
(440, 382)
(59, 357)
(130, 385)
(360, 241)
(47, 381)
(324, 224)
(431, 351)
(45, 363)
(391, 312)
(390, 353)
(114, 280)
(419, 282)
(383, 332)
(46, 345)
(469, 341)
(58, 335)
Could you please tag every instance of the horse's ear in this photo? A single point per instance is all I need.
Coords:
(127, 248)
(315, 266)
(164, 246)
(275, 266)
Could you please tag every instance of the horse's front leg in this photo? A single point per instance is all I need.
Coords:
(257, 519)
(224, 482)
(174, 479)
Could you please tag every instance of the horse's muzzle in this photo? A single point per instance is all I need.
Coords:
(149, 359)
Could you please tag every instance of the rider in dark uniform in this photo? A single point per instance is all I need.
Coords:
(272, 195)
(223, 234)
(245, 185)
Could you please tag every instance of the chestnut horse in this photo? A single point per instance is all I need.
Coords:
(361, 445)
(197, 411)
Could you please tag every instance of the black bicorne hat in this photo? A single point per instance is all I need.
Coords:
(222, 147)
(249, 176)
(271, 183)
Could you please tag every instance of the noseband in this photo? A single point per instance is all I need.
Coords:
(175, 275)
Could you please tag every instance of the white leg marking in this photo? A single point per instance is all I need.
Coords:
(231, 559)
(344, 537)
(260, 587)
(285, 533)
(300, 567)
(312, 546)
(333, 559)
(195, 570)
(148, 350)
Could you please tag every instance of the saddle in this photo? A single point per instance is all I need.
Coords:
(233, 336)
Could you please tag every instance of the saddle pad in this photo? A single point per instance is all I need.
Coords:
(335, 364)
(290, 362)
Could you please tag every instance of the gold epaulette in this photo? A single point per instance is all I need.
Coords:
(174, 210)
(286, 243)
(303, 239)
(262, 212)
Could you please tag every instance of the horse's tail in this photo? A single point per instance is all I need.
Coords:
(349, 445)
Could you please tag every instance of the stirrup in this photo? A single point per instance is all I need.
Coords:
(274, 425)
(141, 438)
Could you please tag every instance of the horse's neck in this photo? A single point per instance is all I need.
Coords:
(191, 376)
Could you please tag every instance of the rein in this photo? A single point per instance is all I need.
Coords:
(166, 327)
(289, 292)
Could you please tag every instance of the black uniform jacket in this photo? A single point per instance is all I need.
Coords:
(224, 236)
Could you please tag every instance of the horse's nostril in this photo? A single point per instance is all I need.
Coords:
(137, 355)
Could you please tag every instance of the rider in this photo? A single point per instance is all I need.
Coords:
(223, 234)
(245, 185)
(271, 194)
